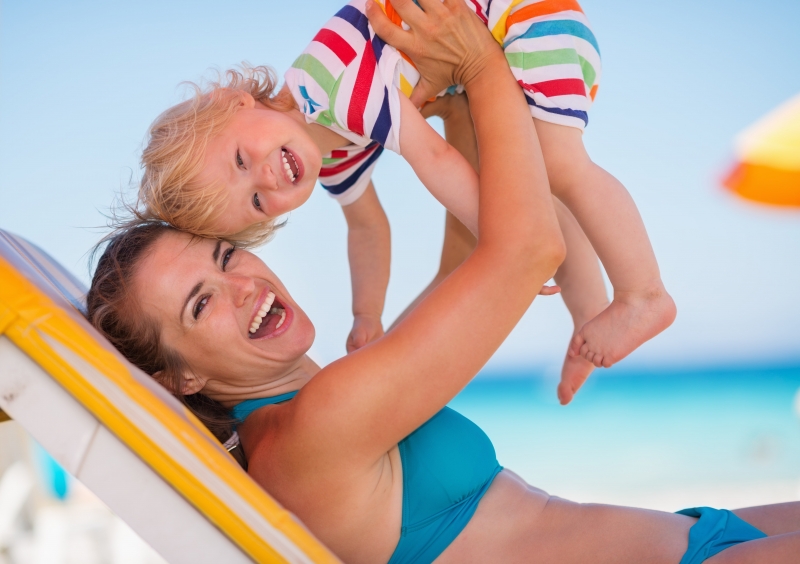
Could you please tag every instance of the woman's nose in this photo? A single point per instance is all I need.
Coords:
(241, 287)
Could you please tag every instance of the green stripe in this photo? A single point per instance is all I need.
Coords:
(527, 61)
(332, 100)
(328, 160)
(589, 74)
(324, 118)
(316, 70)
(328, 117)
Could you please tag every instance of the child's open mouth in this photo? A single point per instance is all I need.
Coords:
(291, 166)
(269, 318)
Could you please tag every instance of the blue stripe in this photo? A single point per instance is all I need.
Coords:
(558, 27)
(337, 189)
(377, 46)
(580, 114)
(380, 131)
(356, 19)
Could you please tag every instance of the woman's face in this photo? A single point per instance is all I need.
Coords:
(209, 300)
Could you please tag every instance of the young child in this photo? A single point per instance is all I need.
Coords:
(235, 158)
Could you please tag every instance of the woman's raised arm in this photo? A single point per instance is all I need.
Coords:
(376, 396)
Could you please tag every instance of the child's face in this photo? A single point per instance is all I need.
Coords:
(267, 163)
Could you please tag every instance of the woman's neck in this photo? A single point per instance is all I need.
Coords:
(291, 381)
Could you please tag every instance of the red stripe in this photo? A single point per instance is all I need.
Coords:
(338, 154)
(479, 12)
(358, 101)
(344, 165)
(560, 87)
(337, 44)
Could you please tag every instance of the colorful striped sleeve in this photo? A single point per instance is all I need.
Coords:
(343, 81)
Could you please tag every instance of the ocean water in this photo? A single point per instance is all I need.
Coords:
(663, 440)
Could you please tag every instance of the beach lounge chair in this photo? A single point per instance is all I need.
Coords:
(122, 435)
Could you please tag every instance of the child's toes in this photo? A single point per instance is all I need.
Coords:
(564, 393)
(575, 345)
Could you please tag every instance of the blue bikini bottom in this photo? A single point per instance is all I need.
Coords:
(716, 530)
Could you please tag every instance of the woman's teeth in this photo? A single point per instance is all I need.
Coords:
(265, 308)
(262, 311)
(286, 155)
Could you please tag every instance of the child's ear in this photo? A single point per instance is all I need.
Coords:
(246, 100)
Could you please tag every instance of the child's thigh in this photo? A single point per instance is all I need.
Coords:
(565, 156)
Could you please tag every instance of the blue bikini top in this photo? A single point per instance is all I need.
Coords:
(448, 465)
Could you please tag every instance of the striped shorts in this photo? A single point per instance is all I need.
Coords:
(551, 50)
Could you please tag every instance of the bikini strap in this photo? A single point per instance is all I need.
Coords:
(242, 410)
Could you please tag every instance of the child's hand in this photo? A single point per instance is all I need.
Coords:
(549, 290)
(366, 328)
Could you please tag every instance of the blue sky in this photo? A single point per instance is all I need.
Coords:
(81, 81)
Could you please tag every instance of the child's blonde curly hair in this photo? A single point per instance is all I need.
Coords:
(177, 140)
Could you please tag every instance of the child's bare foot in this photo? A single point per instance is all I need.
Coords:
(574, 373)
(630, 320)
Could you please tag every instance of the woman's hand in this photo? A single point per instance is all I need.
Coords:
(447, 42)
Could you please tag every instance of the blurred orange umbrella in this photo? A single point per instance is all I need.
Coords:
(768, 166)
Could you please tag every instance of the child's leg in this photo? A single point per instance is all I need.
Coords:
(641, 308)
(584, 293)
(579, 276)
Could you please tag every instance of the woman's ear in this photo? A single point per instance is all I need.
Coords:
(189, 383)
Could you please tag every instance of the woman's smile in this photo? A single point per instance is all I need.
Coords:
(272, 317)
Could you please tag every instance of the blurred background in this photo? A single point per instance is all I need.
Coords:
(706, 413)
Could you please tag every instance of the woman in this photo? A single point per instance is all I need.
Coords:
(363, 451)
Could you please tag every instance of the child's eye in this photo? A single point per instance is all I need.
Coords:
(256, 202)
(239, 160)
(227, 257)
(198, 307)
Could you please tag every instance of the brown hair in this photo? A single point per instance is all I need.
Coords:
(113, 312)
(177, 140)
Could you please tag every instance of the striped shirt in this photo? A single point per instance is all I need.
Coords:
(349, 80)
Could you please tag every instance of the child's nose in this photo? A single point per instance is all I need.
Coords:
(268, 178)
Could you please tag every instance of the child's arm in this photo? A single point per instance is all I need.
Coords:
(440, 167)
(369, 252)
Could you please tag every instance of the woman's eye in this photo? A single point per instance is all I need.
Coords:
(198, 307)
(256, 202)
(239, 160)
(227, 257)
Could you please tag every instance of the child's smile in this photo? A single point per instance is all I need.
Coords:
(266, 163)
(291, 165)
